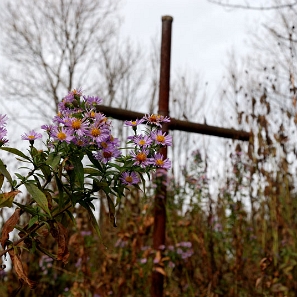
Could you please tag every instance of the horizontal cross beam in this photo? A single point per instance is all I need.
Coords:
(186, 126)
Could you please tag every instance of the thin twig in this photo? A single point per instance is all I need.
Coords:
(240, 6)
(31, 231)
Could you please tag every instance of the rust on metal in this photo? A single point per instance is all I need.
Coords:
(159, 231)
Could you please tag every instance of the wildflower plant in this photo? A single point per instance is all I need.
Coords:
(81, 157)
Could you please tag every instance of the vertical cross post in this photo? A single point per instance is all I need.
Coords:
(160, 199)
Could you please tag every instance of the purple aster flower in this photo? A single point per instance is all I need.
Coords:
(3, 119)
(113, 141)
(186, 244)
(187, 254)
(78, 263)
(141, 158)
(98, 134)
(77, 126)
(179, 251)
(156, 260)
(129, 178)
(61, 134)
(142, 141)
(47, 128)
(156, 119)
(120, 243)
(106, 154)
(65, 104)
(85, 233)
(171, 264)
(159, 161)
(74, 93)
(80, 141)
(161, 138)
(31, 136)
(3, 133)
(91, 114)
(134, 123)
(143, 260)
(92, 101)
(101, 119)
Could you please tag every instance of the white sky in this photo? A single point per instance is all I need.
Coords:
(202, 33)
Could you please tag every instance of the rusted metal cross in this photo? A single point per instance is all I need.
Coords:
(175, 124)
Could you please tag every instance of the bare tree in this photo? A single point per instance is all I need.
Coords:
(49, 48)
(121, 70)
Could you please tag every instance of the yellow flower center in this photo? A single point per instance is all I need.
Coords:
(129, 179)
(92, 114)
(32, 137)
(103, 120)
(141, 157)
(95, 132)
(160, 138)
(153, 118)
(159, 162)
(61, 135)
(76, 124)
(133, 123)
(142, 142)
(103, 144)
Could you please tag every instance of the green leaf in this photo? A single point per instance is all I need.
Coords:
(46, 172)
(32, 221)
(53, 160)
(96, 163)
(34, 151)
(45, 251)
(79, 171)
(70, 214)
(31, 210)
(4, 171)
(92, 171)
(97, 185)
(115, 166)
(111, 208)
(16, 152)
(39, 197)
(143, 182)
(60, 190)
(22, 178)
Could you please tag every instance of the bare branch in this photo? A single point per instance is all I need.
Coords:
(248, 6)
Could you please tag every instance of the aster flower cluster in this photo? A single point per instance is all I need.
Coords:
(147, 144)
(80, 129)
(79, 123)
(3, 131)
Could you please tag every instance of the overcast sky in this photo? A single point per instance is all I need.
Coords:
(202, 32)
